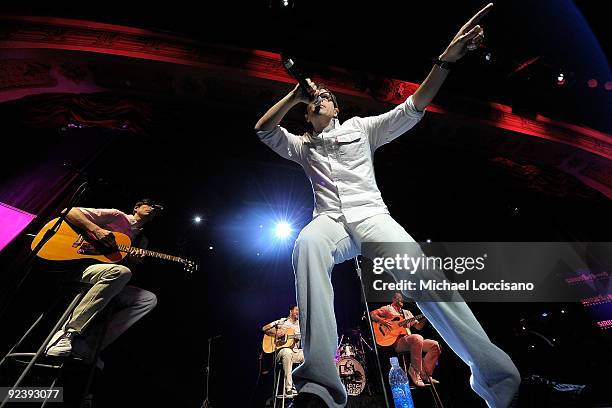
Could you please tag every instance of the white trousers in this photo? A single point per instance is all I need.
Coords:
(325, 242)
(287, 358)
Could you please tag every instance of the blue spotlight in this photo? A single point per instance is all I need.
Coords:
(282, 230)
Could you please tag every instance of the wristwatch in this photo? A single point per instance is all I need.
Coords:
(443, 64)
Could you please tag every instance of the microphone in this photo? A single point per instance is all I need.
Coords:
(298, 76)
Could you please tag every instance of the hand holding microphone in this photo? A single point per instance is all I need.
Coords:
(306, 89)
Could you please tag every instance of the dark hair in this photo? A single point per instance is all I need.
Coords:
(292, 307)
(144, 201)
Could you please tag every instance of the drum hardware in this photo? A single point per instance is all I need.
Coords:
(352, 374)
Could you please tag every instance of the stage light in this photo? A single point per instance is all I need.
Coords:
(429, 241)
(608, 86)
(562, 311)
(592, 83)
(488, 57)
(197, 219)
(211, 247)
(544, 314)
(282, 230)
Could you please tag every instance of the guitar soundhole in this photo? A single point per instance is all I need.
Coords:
(88, 249)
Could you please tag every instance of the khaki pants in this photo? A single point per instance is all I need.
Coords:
(287, 357)
(109, 282)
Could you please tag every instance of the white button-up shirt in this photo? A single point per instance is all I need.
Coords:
(339, 160)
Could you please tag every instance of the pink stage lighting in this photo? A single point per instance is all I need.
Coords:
(12, 222)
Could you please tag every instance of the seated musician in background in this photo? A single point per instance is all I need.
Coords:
(77, 338)
(287, 355)
(414, 343)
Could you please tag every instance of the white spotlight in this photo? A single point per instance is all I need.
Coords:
(282, 230)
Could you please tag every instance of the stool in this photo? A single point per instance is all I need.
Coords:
(32, 358)
(283, 396)
(437, 401)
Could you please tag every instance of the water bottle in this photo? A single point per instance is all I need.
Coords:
(399, 386)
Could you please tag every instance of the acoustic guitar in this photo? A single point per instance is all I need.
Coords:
(269, 345)
(68, 243)
(387, 337)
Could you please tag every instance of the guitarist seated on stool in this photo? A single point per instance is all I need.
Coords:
(287, 355)
(109, 281)
(414, 343)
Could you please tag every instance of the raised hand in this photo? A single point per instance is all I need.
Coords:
(304, 95)
(468, 38)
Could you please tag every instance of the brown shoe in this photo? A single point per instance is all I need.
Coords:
(415, 377)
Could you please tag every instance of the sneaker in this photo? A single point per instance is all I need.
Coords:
(54, 339)
(61, 344)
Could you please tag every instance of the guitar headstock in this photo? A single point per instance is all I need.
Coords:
(189, 265)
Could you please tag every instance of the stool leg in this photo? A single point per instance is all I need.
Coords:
(275, 396)
(47, 398)
(27, 333)
(436, 397)
(404, 363)
(99, 341)
(41, 349)
(284, 389)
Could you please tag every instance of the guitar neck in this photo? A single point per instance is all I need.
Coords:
(412, 319)
(146, 252)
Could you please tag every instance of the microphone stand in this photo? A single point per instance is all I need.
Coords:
(365, 301)
(206, 403)
(74, 200)
(29, 259)
(28, 268)
(274, 364)
(363, 341)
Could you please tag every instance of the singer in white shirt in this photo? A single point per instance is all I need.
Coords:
(338, 160)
